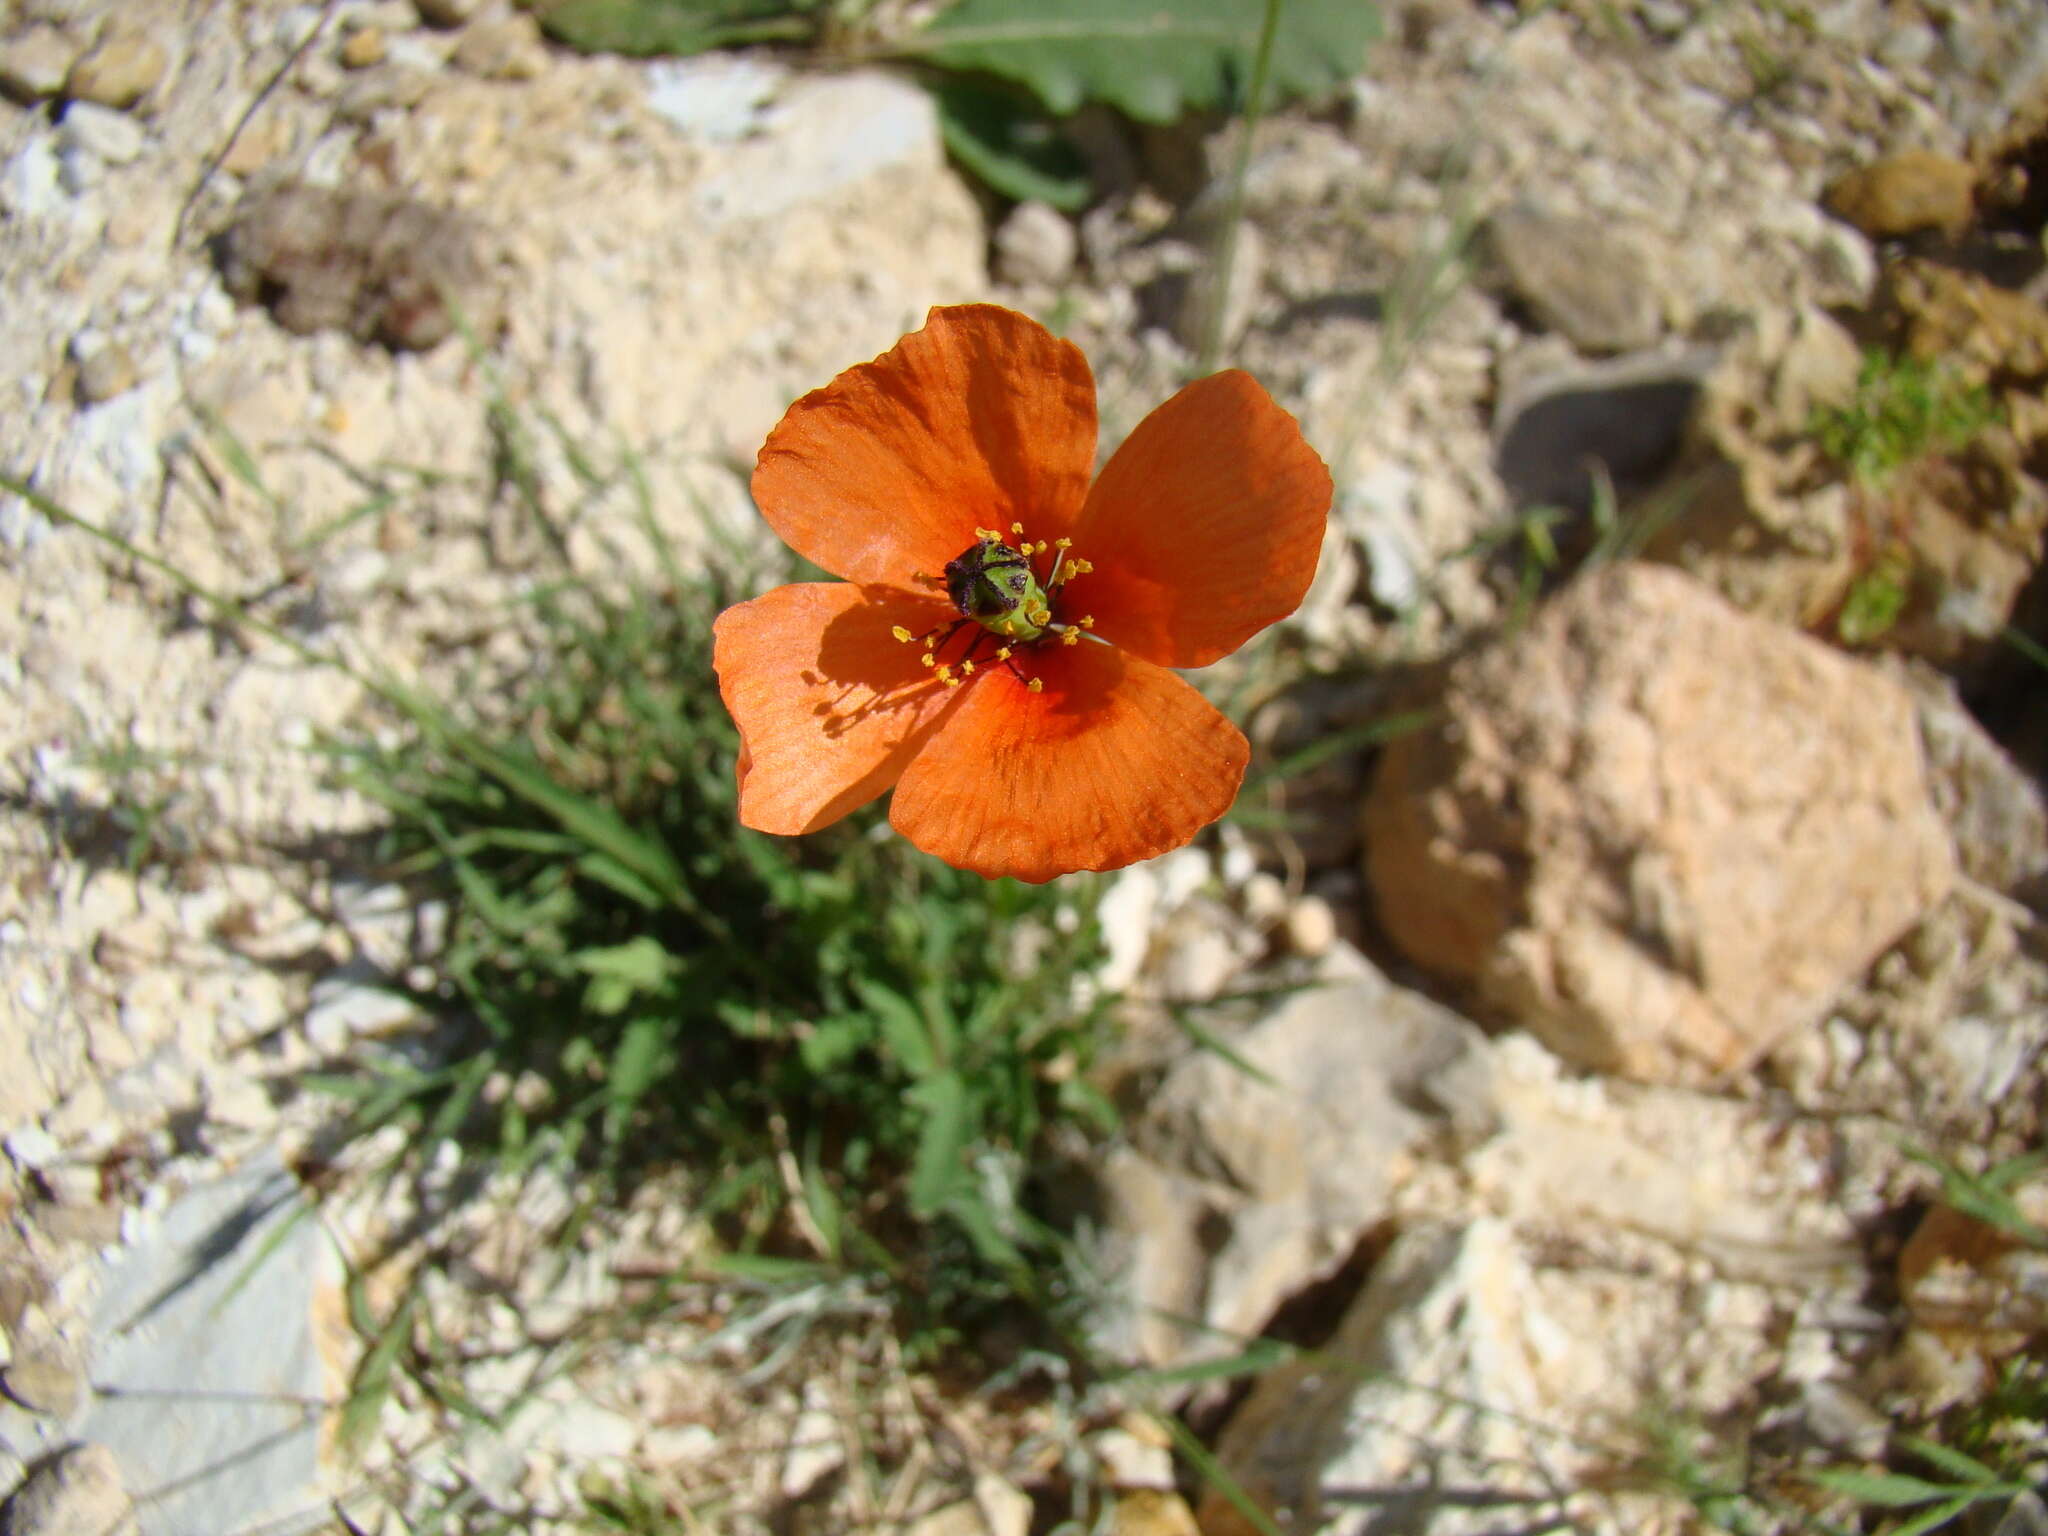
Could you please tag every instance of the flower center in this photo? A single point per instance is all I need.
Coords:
(993, 583)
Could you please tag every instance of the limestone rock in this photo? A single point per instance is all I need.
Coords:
(1905, 194)
(77, 1492)
(1582, 278)
(1449, 1310)
(373, 265)
(1658, 832)
(121, 69)
(1241, 1189)
(209, 1341)
(1995, 810)
(1559, 417)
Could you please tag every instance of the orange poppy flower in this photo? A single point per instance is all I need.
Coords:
(998, 650)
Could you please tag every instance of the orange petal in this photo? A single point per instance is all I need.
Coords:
(830, 705)
(982, 419)
(1115, 761)
(1204, 527)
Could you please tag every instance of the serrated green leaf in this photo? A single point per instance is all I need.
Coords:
(1151, 60)
(938, 1169)
(902, 1027)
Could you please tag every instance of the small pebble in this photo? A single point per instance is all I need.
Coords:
(32, 1147)
(77, 1492)
(1035, 244)
(123, 68)
(34, 65)
(509, 49)
(363, 48)
(108, 372)
(1311, 926)
(448, 13)
(45, 1382)
(113, 136)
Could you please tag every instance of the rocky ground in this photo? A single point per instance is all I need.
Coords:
(1642, 965)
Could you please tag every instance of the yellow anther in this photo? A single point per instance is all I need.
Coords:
(967, 668)
(1016, 527)
(945, 673)
(1003, 654)
(1086, 621)
(931, 642)
(1080, 567)
(901, 633)
(986, 533)
(1040, 616)
(1070, 636)
(1062, 543)
(929, 659)
(1036, 685)
(950, 682)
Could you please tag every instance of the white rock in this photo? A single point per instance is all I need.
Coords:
(350, 1002)
(1035, 244)
(716, 98)
(830, 132)
(1244, 1188)
(1311, 926)
(816, 1447)
(206, 1351)
(114, 137)
(32, 1147)
(29, 184)
(1125, 913)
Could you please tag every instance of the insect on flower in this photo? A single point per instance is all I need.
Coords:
(999, 649)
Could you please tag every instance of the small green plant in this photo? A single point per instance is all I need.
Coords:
(1876, 598)
(1904, 410)
(1924, 1503)
(1005, 74)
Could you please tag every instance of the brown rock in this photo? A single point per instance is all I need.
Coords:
(1657, 831)
(1582, 278)
(379, 267)
(34, 64)
(120, 70)
(45, 1380)
(1905, 194)
(507, 49)
(1980, 1287)
(363, 48)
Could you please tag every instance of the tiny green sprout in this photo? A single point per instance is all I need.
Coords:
(994, 585)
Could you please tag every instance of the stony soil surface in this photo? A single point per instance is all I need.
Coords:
(1596, 1121)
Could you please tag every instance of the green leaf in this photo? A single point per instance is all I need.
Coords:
(644, 27)
(948, 1124)
(999, 136)
(1935, 1518)
(1887, 1490)
(639, 1060)
(1152, 60)
(903, 1027)
(619, 973)
(834, 1042)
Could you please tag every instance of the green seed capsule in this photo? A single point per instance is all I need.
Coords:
(994, 585)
